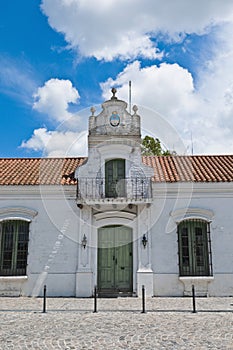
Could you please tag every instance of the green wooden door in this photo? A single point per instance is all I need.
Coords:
(115, 260)
(115, 178)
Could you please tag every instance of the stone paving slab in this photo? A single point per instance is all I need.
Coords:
(70, 323)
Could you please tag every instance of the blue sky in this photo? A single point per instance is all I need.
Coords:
(60, 57)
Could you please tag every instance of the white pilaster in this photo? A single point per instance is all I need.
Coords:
(145, 273)
(84, 274)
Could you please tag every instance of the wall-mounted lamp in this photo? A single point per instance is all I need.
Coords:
(84, 241)
(144, 241)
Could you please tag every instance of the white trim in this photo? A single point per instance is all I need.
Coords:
(113, 221)
(192, 213)
(196, 278)
(13, 278)
(193, 189)
(15, 213)
(38, 191)
(114, 214)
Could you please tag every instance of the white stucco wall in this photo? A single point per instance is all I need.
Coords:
(53, 239)
(57, 259)
(207, 199)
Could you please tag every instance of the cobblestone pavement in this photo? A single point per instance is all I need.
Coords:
(70, 323)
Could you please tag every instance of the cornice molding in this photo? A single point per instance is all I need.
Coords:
(17, 213)
(38, 192)
(114, 214)
(192, 213)
(193, 190)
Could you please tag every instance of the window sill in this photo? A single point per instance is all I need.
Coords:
(200, 283)
(13, 278)
(196, 278)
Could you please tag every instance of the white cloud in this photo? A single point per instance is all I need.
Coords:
(167, 100)
(108, 29)
(123, 29)
(54, 97)
(67, 140)
(167, 88)
(57, 143)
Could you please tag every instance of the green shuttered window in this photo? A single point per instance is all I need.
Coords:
(14, 236)
(194, 248)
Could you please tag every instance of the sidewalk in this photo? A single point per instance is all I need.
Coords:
(70, 323)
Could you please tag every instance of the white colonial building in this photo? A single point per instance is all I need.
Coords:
(116, 220)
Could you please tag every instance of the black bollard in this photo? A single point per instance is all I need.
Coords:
(143, 300)
(194, 300)
(44, 303)
(95, 300)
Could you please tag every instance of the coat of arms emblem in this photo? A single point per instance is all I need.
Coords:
(115, 119)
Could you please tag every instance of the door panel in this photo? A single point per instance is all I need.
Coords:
(115, 178)
(105, 258)
(123, 250)
(115, 259)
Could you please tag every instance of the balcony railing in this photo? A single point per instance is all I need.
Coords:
(102, 189)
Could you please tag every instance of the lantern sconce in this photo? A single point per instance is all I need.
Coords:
(144, 241)
(84, 241)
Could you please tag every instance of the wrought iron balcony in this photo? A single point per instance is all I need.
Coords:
(104, 190)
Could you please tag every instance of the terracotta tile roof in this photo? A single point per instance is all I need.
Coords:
(191, 168)
(55, 171)
(38, 171)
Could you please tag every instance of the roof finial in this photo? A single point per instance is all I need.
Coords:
(113, 94)
(135, 109)
(92, 111)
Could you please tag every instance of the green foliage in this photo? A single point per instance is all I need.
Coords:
(152, 147)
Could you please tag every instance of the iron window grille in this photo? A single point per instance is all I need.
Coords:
(194, 245)
(14, 235)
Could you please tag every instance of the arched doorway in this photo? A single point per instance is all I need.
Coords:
(115, 260)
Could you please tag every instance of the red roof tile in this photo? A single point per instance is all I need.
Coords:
(55, 171)
(191, 168)
(38, 171)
